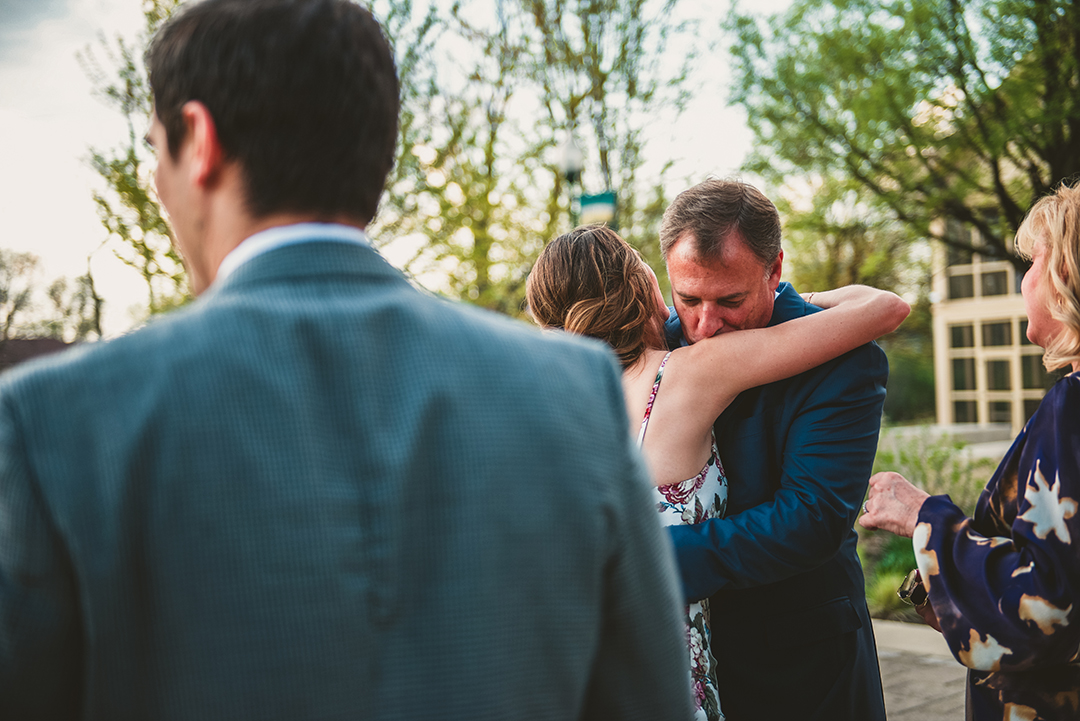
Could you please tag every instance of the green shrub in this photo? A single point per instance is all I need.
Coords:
(938, 465)
(882, 600)
(896, 556)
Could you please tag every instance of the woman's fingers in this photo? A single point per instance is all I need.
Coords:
(893, 504)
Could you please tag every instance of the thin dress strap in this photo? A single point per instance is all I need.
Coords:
(652, 398)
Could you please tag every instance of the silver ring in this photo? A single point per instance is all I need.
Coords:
(864, 509)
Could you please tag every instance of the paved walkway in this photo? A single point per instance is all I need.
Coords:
(921, 678)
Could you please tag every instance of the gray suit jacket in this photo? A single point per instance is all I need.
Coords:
(319, 494)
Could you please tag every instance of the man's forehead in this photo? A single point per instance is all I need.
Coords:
(712, 281)
(733, 263)
(723, 250)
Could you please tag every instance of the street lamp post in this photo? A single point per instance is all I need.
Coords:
(572, 163)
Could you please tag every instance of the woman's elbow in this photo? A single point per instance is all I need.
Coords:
(895, 309)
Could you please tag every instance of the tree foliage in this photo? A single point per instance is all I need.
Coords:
(457, 211)
(477, 190)
(16, 288)
(940, 109)
(73, 310)
(837, 236)
(128, 206)
(489, 90)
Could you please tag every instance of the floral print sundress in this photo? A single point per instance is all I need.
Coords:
(696, 499)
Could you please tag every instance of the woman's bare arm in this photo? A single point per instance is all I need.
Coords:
(723, 366)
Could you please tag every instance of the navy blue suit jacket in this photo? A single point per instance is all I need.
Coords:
(787, 591)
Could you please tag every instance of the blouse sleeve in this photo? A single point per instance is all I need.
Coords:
(1005, 584)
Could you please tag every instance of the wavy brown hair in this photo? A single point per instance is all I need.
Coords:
(591, 282)
(1055, 221)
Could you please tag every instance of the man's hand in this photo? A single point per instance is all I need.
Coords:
(893, 504)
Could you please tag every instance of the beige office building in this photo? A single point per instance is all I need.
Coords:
(985, 368)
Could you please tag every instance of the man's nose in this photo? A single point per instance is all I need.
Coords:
(712, 320)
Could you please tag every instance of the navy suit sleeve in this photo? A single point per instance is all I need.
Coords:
(39, 631)
(825, 449)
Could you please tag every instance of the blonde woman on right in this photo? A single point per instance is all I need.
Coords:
(1004, 585)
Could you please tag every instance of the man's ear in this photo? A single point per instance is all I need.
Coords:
(205, 148)
(774, 271)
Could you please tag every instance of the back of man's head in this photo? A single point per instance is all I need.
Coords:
(303, 93)
(714, 209)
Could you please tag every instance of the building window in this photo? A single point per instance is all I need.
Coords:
(963, 336)
(1000, 412)
(958, 233)
(963, 374)
(958, 256)
(961, 286)
(1033, 374)
(1030, 405)
(965, 412)
(996, 283)
(997, 333)
(997, 375)
(1023, 333)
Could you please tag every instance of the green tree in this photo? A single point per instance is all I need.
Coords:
(128, 206)
(75, 311)
(17, 276)
(941, 109)
(605, 68)
(477, 191)
(488, 91)
(837, 235)
(460, 198)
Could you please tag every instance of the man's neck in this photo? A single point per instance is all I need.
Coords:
(239, 227)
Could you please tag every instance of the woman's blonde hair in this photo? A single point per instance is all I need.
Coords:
(591, 282)
(1055, 221)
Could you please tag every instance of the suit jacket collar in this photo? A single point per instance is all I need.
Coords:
(789, 305)
(282, 235)
(314, 260)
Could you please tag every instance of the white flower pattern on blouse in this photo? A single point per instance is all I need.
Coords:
(1004, 582)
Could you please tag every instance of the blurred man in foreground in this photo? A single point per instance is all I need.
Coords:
(316, 493)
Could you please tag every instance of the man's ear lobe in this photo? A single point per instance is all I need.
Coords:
(206, 153)
(775, 270)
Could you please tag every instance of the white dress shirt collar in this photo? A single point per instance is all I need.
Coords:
(272, 238)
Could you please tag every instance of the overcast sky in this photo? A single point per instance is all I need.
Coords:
(49, 120)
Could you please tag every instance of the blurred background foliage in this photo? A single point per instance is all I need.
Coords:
(490, 91)
(877, 124)
(940, 465)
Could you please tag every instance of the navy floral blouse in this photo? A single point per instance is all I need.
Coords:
(1006, 584)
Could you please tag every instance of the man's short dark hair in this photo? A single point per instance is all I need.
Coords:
(303, 93)
(714, 209)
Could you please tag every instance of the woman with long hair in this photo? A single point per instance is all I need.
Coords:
(591, 282)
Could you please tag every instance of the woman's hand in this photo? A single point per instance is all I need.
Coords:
(928, 615)
(893, 504)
